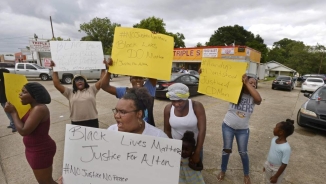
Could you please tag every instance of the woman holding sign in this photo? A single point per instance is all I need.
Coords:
(136, 82)
(183, 115)
(236, 124)
(34, 127)
(82, 99)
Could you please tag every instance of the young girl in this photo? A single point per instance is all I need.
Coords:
(279, 152)
(189, 173)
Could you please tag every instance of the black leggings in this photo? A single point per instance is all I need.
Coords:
(88, 123)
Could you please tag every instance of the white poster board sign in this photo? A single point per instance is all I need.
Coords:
(99, 156)
(210, 53)
(77, 55)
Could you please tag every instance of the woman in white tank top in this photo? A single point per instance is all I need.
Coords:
(184, 114)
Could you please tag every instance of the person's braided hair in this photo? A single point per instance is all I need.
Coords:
(141, 97)
(288, 127)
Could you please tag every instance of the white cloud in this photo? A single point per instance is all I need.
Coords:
(197, 20)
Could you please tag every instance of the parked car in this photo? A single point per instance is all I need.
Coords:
(188, 79)
(31, 70)
(253, 76)
(7, 65)
(194, 72)
(283, 82)
(311, 84)
(304, 77)
(313, 112)
(67, 76)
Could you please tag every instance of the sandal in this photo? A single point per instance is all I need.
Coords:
(220, 176)
(246, 180)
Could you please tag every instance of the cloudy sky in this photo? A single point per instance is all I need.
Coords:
(273, 20)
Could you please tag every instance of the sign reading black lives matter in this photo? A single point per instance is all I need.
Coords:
(98, 156)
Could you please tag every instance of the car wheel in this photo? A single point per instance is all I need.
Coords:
(273, 87)
(44, 77)
(67, 79)
(298, 119)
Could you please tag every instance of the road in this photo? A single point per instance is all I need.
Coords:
(307, 162)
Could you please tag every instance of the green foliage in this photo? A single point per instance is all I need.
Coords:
(152, 23)
(60, 39)
(100, 29)
(199, 44)
(298, 56)
(157, 25)
(239, 36)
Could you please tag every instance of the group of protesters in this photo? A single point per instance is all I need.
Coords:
(184, 119)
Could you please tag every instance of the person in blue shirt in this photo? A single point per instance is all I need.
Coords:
(279, 152)
(136, 82)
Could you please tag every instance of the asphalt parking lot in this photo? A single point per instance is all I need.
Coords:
(307, 163)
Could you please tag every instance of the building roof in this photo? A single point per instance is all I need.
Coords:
(276, 66)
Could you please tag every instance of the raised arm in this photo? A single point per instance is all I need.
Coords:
(167, 126)
(35, 117)
(253, 92)
(105, 81)
(103, 72)
(56, 81)
(201, 124)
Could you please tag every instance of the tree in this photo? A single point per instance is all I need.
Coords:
(152, 23)
(199, 44)
(237, 35)
(157, 25)
(60, 39)
(178, 39)
(100, 29)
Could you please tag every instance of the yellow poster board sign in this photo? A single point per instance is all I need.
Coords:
(13, 86)
(222, 78)
(139, 52)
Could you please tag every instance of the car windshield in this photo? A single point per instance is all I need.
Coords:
(320, 93)
(39, 67)
(315, 80)
(283, 78)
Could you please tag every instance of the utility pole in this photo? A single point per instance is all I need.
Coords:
(52, 28)
(321, 61)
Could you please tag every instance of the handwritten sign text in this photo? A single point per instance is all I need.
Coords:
(101, 156)
(221, 78)
(77, 55)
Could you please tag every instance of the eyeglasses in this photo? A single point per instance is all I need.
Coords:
(79, 80)
(122, 112)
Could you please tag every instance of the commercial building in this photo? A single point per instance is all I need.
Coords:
(191, 57)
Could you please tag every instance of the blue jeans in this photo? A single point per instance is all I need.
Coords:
(242, 137)
(9, 117)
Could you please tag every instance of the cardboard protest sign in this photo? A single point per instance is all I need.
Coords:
(221, 78)
(14, 84)
(139, 52)
(77, 55)
(93, 155)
